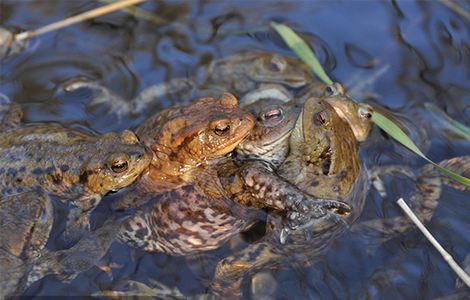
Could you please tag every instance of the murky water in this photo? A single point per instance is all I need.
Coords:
(423, 48)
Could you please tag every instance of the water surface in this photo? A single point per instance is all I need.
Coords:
(423, 46)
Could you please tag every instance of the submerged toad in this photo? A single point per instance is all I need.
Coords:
(429, 183)
(25, 224)
(238, 73)
(76, 165)
(244, 71)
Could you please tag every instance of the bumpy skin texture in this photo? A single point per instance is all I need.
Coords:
(186, 142)
(187, 138)
(356, 114)
(269, 139)
(73, 164)
(184, 221)
(319, 144)
(255, 182)
(25, 224)
(70, 163)
(9, 281)
(241, 72)
(316, 163)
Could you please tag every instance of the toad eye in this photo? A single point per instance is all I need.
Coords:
(120, 166)
(221, 129)
(365, 112)
(119, 163)
(277, 64)
(273, 115)
(321, 118)
(334, 89)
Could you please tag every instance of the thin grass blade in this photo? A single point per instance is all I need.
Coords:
(302, 50)
(306, 54)
(453, 125)
(395, 132)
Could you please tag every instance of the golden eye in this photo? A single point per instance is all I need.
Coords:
(334, 89)
(221, 129)
(119, 166)
(330, 91)
(119, 163)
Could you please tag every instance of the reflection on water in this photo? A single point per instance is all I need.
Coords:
(425, 44)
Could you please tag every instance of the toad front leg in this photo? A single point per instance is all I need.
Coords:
(257, 185)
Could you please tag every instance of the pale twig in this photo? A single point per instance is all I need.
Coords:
(456, 8)
(447, 257)
(78, 18)
(141, 14)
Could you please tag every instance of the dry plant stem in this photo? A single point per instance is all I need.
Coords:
(78, 18)
(447, 257)
(140, 13)
(456, 8)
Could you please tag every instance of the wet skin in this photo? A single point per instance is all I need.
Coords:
(169, 226)
(187, 141)
(268, 141)
(266, 146)
(330, 179)
(75, 165)
(244, 71)
(319, 144)
(357, 114)
(187, 220)
(48, 159)
(31, 263)
(25, 224)
(253, 181)
(429, 183)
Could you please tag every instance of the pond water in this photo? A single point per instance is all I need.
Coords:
(420, 49)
